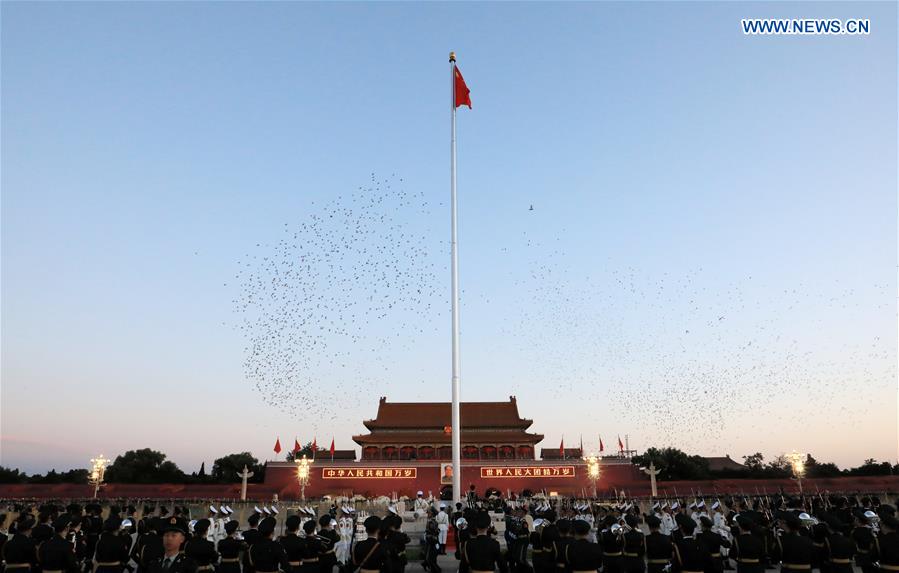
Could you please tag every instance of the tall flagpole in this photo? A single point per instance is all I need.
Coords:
(456, 429)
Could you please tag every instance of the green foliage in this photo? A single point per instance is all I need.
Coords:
(227, 469)
(144, 466)
(9, 475)
(674, 464)
(305, 451)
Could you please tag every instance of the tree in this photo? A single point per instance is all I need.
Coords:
(754, 463)
(871, 468)
(144, 466)
(305, 451)
(674, 464)
(9, 475)
(828, 469)
(227, 469)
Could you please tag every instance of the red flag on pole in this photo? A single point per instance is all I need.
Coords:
(463, 96)
(601, 447)
(314, 447)
(620, 444)
(332, 448)
(562, 448)
(296, 446)
(278, 446)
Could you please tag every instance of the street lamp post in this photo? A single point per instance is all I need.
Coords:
(98, 470)
(593, 470)
(303, 474)
(797, 461)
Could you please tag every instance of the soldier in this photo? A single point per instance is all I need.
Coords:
(313, 548)
(634, 549)
(43, 531)
(395, 542)
(174, 534)
(888, 541)
(749, 549)
(149, 546)
(292, 543)
(200, 548)
(658, 547)
(250, 537)
(581, 555)
(111, 553)
(482, 553)
(690, 555)
(712, 542)
(213, 518)
(267, 555)
(368, 555)
(329, 538)
(230, 548)
(612, 541)
(57, 555)
(431, 547)
(794, 549)
(443, 521)
(566, 536)
(865, 542)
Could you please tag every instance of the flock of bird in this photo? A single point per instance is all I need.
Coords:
(328, 308)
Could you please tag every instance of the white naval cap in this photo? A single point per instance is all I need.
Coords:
(870, 515)
(419, 492)
(392, 509)
(675, 505)
(655, 505)
(701, 503)
(716, 505)
(126, 523)
(213, 509)
(223, 510)
(256, 509)
(274, 510)
(442, 505)
(266, 510)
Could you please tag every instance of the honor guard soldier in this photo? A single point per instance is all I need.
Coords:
(795, 550)
(111, 553)
(18, 552)
(840, 548)
(313, 548)
(712, 542)
(250, 537)
(865, 542)
(544, 546)
(611, 539)
(749, 548)
(229, 549)
(266, 555)
(43, 531)
(658, 547)
(690, 556)
(634, 549)
(581, 555)
(200, 548)
(292, 543)
(148, 547)
(329, 538)
(443, 521)
(565, 538)
(889, 544)
(212, 531)
(517, 552)
(395, 542)
(57, 554)
(174, 534)
(368, 555)
(482, 553)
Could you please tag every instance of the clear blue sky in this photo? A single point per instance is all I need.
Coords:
(710, 262)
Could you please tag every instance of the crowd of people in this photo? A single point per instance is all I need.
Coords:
(828, 534)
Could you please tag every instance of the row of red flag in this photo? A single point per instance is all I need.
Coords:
(602, 446)
(297, 447)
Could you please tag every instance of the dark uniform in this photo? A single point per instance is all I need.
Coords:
(250, 537)
(19, 554)
(865, 549)
(712, 543)
(749, 551)
(311, 553)
(544, 548)
(267, 555)
(659, 550)
(148, 547)
(560, 546)
(328, 559)
(612, 547)
(57, 556)
(179, 563)
(840, 550)
(633, 552)
(293, 546)
(111, 553)
(202, 551)
(229, 550)
(795, 552)
(395, 542)
(483, 554)
(369, 556)
(690, 555)
(889, 551)
(583, 556)
(517, 550)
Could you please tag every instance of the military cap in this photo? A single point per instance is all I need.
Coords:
(581, 527)
(231, 526)
(253, 520)
(61, 522)
(112, 523)
(687, 525)
(292, 523)
(653, 521)
(202, 526)
(324, 520)
(564, 526)
(792, 520)
(482, 520)
(173, 524)
(309, 526)
(267, 526)
(631, 520)
(705, 521)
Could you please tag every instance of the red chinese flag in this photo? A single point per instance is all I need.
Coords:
(601, 447)
(562, 448)
(332, 447)
(278, 446)
(463, 95)
(314, 445)
(296, 446)
(620, 444)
